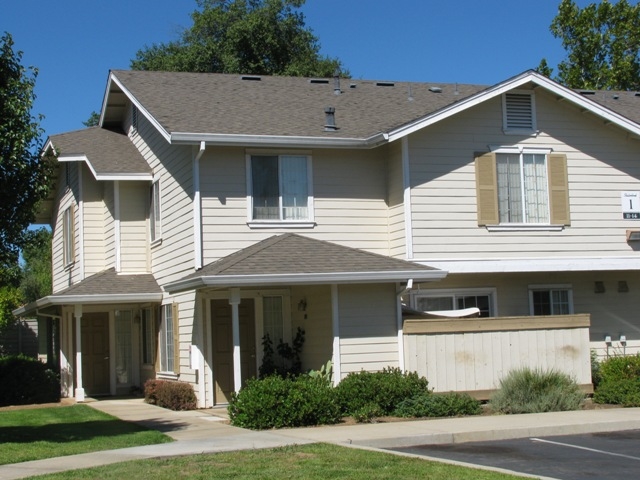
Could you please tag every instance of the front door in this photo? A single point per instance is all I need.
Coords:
(223, 346)
(95, 353)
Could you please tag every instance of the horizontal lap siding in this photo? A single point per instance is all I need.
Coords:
(134, 237)
(66, 196)
(350, 199)
(94, 224)
(368, 328)
(397, 241)
(315, 321)
(602, 162)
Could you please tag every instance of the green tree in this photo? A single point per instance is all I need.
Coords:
(602, 41)
(24, 174)
(93, 120)
(36, 268)
(261, 37)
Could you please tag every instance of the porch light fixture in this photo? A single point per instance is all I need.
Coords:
(607, 340)
(302, 305)
(633, 235)
(598, 287)
(622, 286)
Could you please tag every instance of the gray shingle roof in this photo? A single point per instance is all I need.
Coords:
(109, 282)
(283, 106)
(626, 104)
(110, 152)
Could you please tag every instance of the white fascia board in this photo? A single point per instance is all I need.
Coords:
(139, 106)
(304, 279)
(178, 138)
(532, 265)
(513, 83)
(53, 300)
(105, 176)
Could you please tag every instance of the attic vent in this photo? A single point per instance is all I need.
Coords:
(519, 112)
(319, 80)
(637, 94)
(251, 77)
(435, 89)
(385, 84)
(330, 119)
(587, 92)
(352, 85)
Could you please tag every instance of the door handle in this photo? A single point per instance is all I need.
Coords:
(106, 358)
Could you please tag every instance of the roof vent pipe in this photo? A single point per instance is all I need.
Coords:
(336, 82)
(330, 119)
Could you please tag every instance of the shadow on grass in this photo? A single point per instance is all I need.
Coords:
(83, 431)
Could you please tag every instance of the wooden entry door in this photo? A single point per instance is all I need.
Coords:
(223, 346)
(95, 353)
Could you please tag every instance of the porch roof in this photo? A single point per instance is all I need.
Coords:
(290, 259)
(105, 287)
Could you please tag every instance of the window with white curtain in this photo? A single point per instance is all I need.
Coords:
(280, 187)
(523, 195)
(167, 341)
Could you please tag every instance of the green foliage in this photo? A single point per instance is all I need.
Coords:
(385, 389)
(602, 41)
(596, 374)
(367, 413)
(36, 270)
(277, 402)
(261, 37)
(325, 372)
(170, 394)
(532, 391)
(289, 362)
(620, 381)
(26, 380)
(93, 120)
(10, 299)
(450, 404)
(24, 175)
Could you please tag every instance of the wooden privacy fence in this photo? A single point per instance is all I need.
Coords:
(472, 354)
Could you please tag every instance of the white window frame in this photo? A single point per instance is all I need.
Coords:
(454, 293)
(524, 150)
(155, 212)
(68, 236)
(506, 125)
(166, 340)
(551, 287)
(308, 222)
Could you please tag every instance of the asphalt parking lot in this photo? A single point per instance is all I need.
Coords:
(610, 456)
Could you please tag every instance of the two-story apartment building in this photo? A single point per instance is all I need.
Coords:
(209, 210)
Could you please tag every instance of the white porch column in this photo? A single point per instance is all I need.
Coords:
(335, 321)
(77, 313)
(234, 300)
(66, 347)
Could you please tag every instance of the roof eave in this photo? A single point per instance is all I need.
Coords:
(305, 279)
(231, 140)
(53, 300)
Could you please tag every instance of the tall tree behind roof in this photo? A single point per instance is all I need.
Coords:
(602, 41)
(260, 37)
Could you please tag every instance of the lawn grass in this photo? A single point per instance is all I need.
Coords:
(315, 461)
(34, 434)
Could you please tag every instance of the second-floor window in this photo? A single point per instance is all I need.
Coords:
(68, 236)
(523, 196)
(280, 188)
(154, 212)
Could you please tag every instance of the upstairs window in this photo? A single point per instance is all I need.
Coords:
(280, 188)
(551, 300)
(518, 112)
(155, 232)
(523, 196)
(68, 236)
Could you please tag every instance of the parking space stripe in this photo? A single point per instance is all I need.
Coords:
(613, 454)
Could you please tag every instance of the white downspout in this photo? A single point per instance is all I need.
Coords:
(235, 333)
(335, 322)
(406, 187)
(197, 210)
(399, 294)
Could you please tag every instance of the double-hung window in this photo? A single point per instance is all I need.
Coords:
(550, 299)
(155, 232)
(168, 339)
(280, 188)
(68, 236)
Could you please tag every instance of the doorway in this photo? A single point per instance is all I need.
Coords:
(223, 346)
(95, 353)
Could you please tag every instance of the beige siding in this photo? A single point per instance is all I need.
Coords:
(350, 201)
(134, 237)
(397, 241)
(94, 224)
(368, 327)
(186, 305)
(109, 225)
(602, 162)
(316, 322)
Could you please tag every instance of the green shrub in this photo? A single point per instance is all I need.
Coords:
(277, 402)
(620, 381)
(170, 394)
(367, 413)
(27, 380)
(449, 404)
(596, 373)
(386, 389)
(530, 391)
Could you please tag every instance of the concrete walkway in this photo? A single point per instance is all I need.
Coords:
(206, 431)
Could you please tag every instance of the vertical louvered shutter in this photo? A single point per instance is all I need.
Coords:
(487, 189)
(558, 189)
(176, 337)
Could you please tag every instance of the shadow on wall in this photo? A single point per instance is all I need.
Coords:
(22, 338)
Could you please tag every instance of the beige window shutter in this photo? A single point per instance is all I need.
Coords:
(558, 189)
(176, 338)
(487, 189)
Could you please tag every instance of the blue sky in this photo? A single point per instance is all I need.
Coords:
(74, 43)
